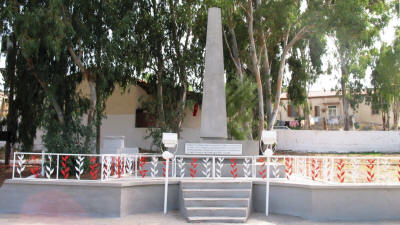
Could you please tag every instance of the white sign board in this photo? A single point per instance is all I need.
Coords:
(213, 149)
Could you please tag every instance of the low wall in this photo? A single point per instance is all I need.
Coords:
(106, 199)
(338, 141)
(330, 202)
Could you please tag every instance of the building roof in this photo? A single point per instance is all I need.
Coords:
(314, 94)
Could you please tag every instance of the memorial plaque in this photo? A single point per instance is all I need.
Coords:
(213, 149)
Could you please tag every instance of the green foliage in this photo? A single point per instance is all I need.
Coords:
(386, 77)
(67, 138)
(240, 100)
(172, 49)
(102, 34)
(355, 26)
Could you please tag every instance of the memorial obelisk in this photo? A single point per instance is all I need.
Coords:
(213, 115)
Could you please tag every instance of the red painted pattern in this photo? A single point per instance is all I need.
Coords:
(94, 170)
(398, 172)
(263, 171)
(64, 167)
(35, 169)
(288, 167)
(234, 169)
(370, 170)
(164, 168)
(142, 163)
(118, 170)
(193, 170)
(340, 173)
(314, 169)
(112, 169)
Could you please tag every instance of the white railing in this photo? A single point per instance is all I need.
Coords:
(320, 169)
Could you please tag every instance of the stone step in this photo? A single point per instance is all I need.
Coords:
(218, 219)
(216, 211)
(216, 202)
(216, 185)
(233, 193)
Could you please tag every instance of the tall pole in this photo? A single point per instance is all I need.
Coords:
(166, 187)
(267, 188)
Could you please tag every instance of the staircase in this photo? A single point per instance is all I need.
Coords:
(216, 201)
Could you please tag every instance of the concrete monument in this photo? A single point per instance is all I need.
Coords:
(213, 115)
(213, 131)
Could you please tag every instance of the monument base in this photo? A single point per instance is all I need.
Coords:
(249, 148)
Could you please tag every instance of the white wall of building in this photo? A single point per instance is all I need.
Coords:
(338, 141)
(124, 125)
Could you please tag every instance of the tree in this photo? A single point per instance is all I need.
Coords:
(355, 26)
(386, 82)
(305, 65)
(273, 28)
(59, 43)
(174, 35)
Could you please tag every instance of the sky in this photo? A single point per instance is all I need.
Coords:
(325, 81)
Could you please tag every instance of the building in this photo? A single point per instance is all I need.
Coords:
(327, 105)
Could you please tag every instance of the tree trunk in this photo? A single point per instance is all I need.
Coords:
(274, 112)
(396, 115)
(388, 120)
(307, 115)
(343, 79)
(238, 65)
(256, 71)
(92, 87)
(235, 50)
(286, 48)
(50, 95)
(12, 119)
(160, 95)
(98, 137)
(267, 72)
(383, 121)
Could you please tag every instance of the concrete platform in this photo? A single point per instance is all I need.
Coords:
(327, 202)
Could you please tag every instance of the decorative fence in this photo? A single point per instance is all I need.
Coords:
(318, 169)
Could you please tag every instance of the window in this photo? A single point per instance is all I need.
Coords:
(292, 111)
(144, 119)
(332, 111)
(317, 111)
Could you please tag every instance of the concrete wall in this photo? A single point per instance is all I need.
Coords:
(124, 125)
(345, 202)
(330, 202)
(338, 141)
(106, 199)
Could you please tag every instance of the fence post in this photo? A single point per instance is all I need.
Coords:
(58, 161)
(102, 168)
(213, 167)
(136, 165)
(42, 172)
(13, 166)
(174, 166)
(254, 167)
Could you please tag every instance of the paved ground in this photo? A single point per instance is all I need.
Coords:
(173, 218)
